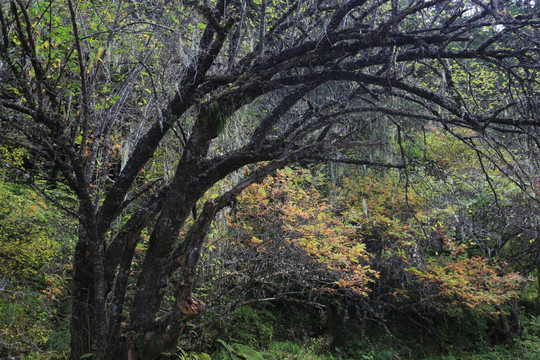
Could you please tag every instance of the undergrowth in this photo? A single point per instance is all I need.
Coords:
(257, 333)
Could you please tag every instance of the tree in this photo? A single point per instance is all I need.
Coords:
(96, 92)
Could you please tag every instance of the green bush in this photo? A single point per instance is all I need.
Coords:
(34, 241)
(24, 323)
(27, 239)
(253, 326)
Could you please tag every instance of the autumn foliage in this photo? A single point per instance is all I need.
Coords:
(373, 238)
(291, 206)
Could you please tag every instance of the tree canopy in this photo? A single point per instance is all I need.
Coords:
(139, 108)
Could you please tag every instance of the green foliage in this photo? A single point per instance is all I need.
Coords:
(27, 242)
(469, 335)
(352, 348)
(275, 350)
(183, 355)
(253, 327)
(34, 240)
(11, 158)
(59, 338)
(26, 325)
(525, 347)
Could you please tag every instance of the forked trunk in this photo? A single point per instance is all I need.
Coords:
(128, 339)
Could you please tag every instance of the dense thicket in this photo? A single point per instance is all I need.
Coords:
(141, 109)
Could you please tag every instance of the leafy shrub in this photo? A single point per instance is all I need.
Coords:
(253, 327)
(33, 242)
(24, 322)
(288, 210)
(27, 240)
